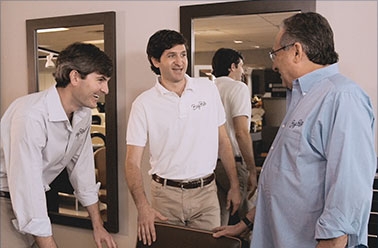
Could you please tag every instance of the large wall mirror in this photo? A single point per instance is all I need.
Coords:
(250, 27)
(46, 37)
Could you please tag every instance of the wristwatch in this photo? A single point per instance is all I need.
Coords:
(248, 223)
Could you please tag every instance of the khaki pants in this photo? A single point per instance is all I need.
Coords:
(223, 185)
(9, 236)
(195, 208)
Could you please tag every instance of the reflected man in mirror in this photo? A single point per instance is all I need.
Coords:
(184, 121)
(228, 69)
(45, 132)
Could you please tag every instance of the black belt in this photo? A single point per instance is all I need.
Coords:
(4, 194)
(186, 184)
(239, 159)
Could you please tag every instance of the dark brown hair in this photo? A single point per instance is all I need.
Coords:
(84, 58)
(160, 41)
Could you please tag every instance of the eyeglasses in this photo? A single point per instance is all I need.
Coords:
(272, 54)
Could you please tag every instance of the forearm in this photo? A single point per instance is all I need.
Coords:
(246, 148)
(244, 140)
(339, 242)
(250, 217)
(94, 214)
(133, 176)
(243, 137)
(135, 184)
(45, 242)
(228, 161)
(251, 214)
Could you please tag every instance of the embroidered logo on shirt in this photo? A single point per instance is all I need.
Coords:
(81, 131)
(198, 105)
(294, 123)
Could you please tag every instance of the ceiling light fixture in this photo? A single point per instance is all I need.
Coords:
(48, 30)
(94, 42)
(238, 41)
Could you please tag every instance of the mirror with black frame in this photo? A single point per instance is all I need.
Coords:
(46, 37)
(249, 27)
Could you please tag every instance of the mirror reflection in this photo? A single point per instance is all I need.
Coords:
(253, 36)
(50, 42)
(46, 38)
(249, 27)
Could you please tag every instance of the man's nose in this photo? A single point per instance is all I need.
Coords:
(105, 88)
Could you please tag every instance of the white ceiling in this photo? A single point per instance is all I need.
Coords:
(57, 41)
(221, 31)
(210, 33)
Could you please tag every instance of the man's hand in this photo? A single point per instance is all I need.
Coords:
(99, 233)
(102, 236)
(234, 199)
(146, 224)
(234, 230)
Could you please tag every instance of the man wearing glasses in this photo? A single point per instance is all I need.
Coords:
(315, 188)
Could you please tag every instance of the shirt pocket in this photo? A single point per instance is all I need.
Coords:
(287, 149)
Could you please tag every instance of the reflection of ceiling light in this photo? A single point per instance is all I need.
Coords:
(48, 30)
(208, 32)
(238, 41)
(94, 41)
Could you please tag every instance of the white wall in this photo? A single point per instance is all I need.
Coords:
(354, 24)
(355, 29)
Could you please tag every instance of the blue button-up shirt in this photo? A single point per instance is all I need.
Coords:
(316, 182)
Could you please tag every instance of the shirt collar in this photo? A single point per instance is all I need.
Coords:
(54, 105)
(189, 85)
(227, 79)
(307, 81)
(55, 108)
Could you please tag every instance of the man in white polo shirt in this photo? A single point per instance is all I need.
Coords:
(228, 69)
(183, 120)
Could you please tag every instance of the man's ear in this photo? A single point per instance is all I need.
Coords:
(299, 53)
(74, 77)
(233, 67)
(155, 62)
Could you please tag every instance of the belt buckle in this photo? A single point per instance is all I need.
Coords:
(182, 183)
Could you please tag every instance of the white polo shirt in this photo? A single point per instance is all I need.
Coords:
(37, 143)
(236, 100)
(182, 131)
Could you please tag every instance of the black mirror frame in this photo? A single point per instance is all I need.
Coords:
(190, 12)
(108, 19)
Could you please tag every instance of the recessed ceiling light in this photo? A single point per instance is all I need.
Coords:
(48, 30)
(238, 41)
